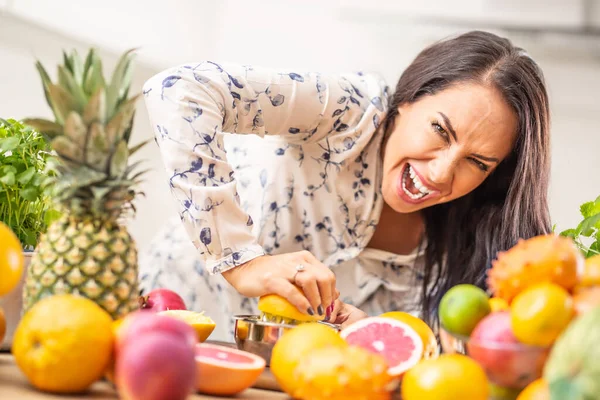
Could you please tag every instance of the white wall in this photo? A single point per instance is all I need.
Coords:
(318, 35)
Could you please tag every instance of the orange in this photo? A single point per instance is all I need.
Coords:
(540, 314)
(498, 304)
(340, 373)
(430, 344)
(2, 325)
(11, 259)
(279, 306)
(293, 345)
(449, 377)
(536, 390)
(202, 324)
(591, 272)
(64, 343)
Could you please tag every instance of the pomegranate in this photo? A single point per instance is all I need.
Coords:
(141, 323)
(161, 300)
(156, 366)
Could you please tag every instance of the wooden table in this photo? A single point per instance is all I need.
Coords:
(14, 386)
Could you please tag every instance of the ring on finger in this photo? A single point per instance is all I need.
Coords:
(299, 268)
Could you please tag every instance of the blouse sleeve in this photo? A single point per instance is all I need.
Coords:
(191, 107)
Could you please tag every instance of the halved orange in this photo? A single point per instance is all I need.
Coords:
(203, 324)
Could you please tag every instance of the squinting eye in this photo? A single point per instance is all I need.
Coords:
(480, 165)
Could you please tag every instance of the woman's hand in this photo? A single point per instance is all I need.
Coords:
(278, 274)
(344, 314)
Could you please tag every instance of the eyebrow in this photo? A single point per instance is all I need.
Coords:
(453, 133)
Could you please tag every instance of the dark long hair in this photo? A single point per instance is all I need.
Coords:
(464, 235)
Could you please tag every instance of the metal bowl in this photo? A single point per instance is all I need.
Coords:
(257, 336)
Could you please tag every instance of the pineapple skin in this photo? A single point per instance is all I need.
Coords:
(88, 257)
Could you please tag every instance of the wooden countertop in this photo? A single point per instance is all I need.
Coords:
(14, 386)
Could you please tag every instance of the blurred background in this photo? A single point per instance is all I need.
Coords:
(335, 35)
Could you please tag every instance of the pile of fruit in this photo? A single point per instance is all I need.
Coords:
(529, 335)
(66, 342)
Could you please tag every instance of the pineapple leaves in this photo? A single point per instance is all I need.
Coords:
(62, 101)
(67, 80)
(138, 146)
(76, 130)
(121, 122)
(93, 77)
(118, 163)
(46, 127)
(76, 67)
(95, 110)
(119, 83)
(67, 149)
(46, 83)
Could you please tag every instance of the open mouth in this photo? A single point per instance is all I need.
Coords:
(412, 185)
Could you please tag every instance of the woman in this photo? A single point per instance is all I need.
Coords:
(334, 185)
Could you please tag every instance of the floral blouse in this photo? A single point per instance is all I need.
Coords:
(264, 161)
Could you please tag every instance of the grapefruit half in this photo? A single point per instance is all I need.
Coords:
(396, 341)
(226, 371)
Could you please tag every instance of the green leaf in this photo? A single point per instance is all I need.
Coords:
(8, 168)
(48, 128)
(67, 81)
(50, 216)
(9, 143)
(121, 121)
(67, 149)
(94, 78)
(77, 67)
(590, 208)
(95, 111)
(120, 81)
(588, 225)
(118, 163)
(138, 146)
(63, 102)
(8, 179)
(75, 129)
(30, 193)
(97, 148)
(46, 82)
(26, 176)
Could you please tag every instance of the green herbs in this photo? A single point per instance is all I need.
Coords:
(24, 206)
(587, 233)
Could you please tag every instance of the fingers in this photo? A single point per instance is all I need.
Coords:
(325, 280)
(335, 311)
(286, 289)
(311, 291)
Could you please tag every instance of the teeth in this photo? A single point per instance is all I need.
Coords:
(418, 184)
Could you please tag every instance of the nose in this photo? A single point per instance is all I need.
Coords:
(441, 171)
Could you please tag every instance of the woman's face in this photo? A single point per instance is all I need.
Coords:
(444, 146)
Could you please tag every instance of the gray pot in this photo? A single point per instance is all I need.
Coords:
(12, 304)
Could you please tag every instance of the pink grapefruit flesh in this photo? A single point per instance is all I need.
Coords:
(225, 355)
(225, 371)
(397, 342)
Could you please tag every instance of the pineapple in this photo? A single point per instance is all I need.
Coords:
(88, 251)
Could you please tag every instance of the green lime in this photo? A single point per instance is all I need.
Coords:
(462, 307)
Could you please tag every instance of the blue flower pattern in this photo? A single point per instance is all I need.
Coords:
(262, 161)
